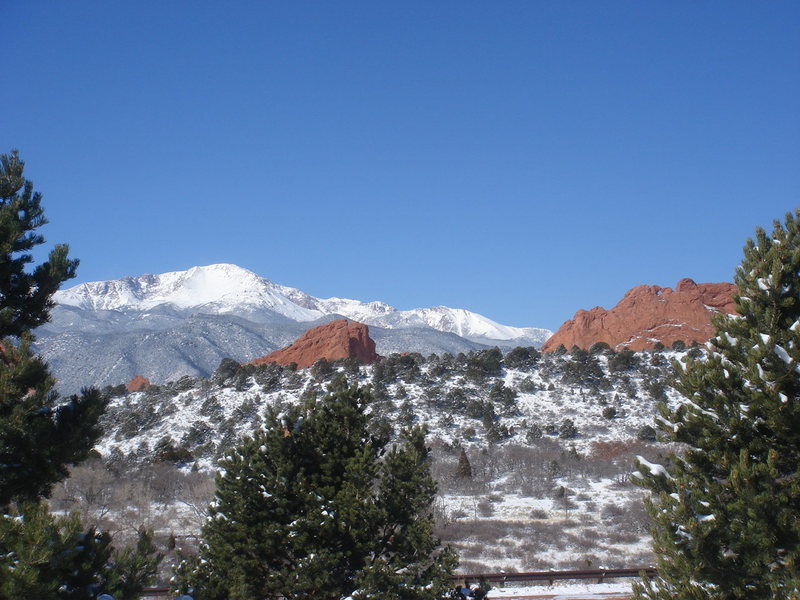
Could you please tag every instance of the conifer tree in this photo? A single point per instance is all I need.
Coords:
(317, 506)
(727, 508)
(54, 558)
(41, 435)
(464, 468)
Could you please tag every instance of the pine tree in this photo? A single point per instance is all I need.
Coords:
(41, 435)
(727, 509)
(464, 468)
(317, 506)
(51, 558)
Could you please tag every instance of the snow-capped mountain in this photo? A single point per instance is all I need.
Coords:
(228, 289)
(215, 289)
(185, 322)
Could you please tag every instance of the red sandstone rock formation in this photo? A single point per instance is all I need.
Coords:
(332, 341)
(138, 384)
(648, 314)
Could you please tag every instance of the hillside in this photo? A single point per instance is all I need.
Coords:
(550, 439)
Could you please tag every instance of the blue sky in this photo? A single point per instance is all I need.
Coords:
(518, 159)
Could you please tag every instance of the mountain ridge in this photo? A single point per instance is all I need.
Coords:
(167, 326)
(228, 289)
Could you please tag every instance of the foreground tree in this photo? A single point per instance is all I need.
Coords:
(50, 558)
(41, 434)
(316, 506)
(727, 510)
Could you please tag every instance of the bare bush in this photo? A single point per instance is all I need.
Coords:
(485, 508)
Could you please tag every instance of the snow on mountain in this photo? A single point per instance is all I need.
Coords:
(468, 324)
(215, 289)
(229, 289)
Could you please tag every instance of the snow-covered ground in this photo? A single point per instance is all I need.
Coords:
(571, 591)
(541, 495)
(541, 398)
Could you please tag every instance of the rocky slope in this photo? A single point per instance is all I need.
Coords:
(331, 341)
(648, 314)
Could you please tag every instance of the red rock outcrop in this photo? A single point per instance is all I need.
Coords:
(138, 383)
(332, 341)
(648, 314)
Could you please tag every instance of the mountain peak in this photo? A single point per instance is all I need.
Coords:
(229, 289)
(216, 289)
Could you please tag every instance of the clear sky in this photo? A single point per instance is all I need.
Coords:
(519, 159)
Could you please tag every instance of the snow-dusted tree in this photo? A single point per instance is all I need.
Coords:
(727, 509)
(54, 558)
(316, 506)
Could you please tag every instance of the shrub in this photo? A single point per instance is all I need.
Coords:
(407, 366)
(456, 400)
(695, 351)
(567, 430)
(211, 408)
(527, 385)
(656, 389)
(226, 370)
(351, 366)
(624, 360)
(599, 348)
(533, 434)
(503, 396)
(321, 370)
(658, 360)
(584, 369)
(485, 508)
(609, 412)
(646, 433)
(483, 363)
(166, 451)
(524, 358)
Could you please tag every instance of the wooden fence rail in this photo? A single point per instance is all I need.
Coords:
(599, 575)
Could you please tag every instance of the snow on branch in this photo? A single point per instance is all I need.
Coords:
(655, 469)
